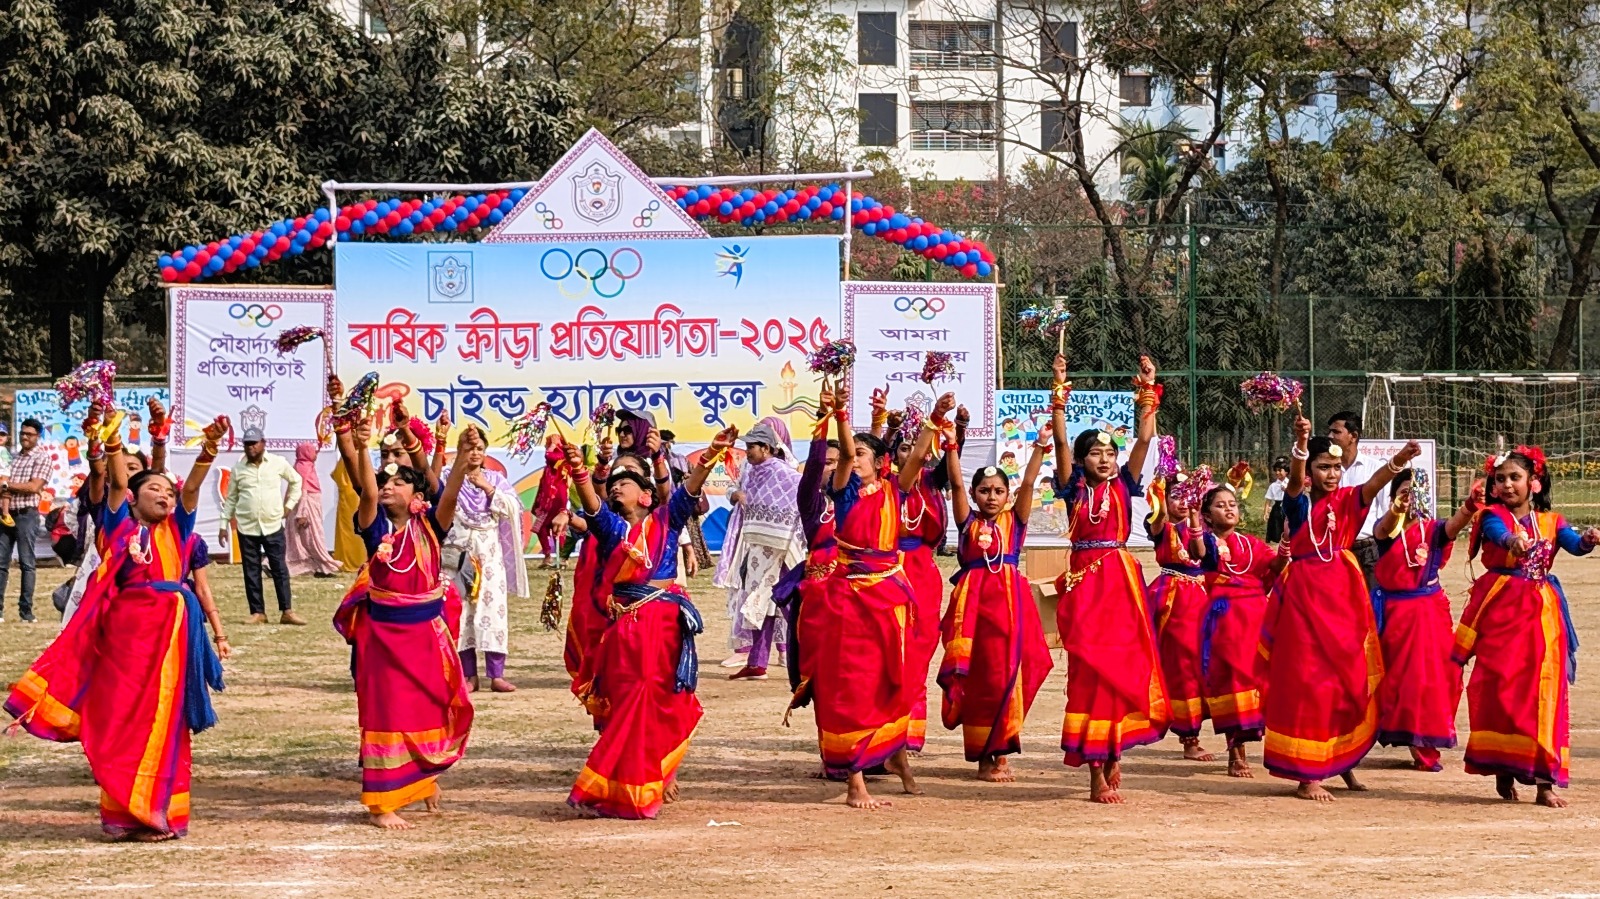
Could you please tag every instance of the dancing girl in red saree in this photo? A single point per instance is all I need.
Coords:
(1421, 687)
(638, 682)
(399, 618)
(1319, 640)
(129, 676)
(1115, 696)
(995, 656)
(1178, 598)
(1518, 628)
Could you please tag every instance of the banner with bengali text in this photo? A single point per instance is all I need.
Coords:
(700, 333)
(894, 324)
(225, 361)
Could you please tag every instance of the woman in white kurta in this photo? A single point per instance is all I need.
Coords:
(487, 531)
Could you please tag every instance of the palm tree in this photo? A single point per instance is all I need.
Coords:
(1152, 160)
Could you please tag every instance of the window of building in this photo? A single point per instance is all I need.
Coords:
(1135, 90)
(1058, 46)
(875, 42)
(952, 45)
(1219, 157)
(1191, 91)
(880, 119)
(1053, 125)
(952, 126)
(733, 85)
(1353, 91)
(1303, 89)
(372, 21)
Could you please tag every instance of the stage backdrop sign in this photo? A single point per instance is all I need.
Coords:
(225, 361)
(1381, 451)
(701, 333)
(895, 323)
(1019, 415)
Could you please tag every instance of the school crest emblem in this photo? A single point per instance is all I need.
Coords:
(597, 192)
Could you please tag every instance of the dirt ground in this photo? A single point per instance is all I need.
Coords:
(276, 812)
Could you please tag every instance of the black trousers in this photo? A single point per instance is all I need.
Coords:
(251, 549)
(1366, 550)
(19, 538)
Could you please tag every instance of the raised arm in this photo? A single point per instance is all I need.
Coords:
(1458, 522)
(581, 480)
(1060, 390)
(720, 444)
(1299, 455)
(1147, 399)
(1023, 507)
(880, 411)
(847, 439)
(960, 503)
(659, 467)
(160, 426)
(441, 433)
(95, 451)
(1381, 478)
(361, 477)
(445, 509)
(190, 497)
(412, 444)
(932, 429)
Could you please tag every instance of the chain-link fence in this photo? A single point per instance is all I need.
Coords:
(1208, 303)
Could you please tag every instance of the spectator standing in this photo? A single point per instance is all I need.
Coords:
(257, 506)
(30, 471)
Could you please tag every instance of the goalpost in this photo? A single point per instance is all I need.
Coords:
(1474, 415)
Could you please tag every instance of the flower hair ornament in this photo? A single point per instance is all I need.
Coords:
(1336, 451)
(419, 504)
(990, 471)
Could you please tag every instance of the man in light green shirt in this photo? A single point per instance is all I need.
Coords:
(256, 506)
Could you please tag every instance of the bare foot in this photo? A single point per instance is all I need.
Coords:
(856, 795)
(1425, 759)
(996, 769)
(388, 821)
(1239, 764)
(156, 836)
(1351, 784)
(1194, 752)
(476, 684)
(670, 794)
(1314, 792)
(1547, 797)
(501, 685)
(1101, 789)
(1507, 787)
(432, 802)
(900, 766)
(1114, 775)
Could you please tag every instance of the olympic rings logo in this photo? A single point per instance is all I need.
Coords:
(591, 266)
(256, 314)
(917, 307)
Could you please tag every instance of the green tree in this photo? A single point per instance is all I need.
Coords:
(128, 128)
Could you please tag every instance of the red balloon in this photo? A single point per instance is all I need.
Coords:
(237, 258)
(342, 223)
(201, 258)
(191, 271)
(987, 256)
(370, 205)
(970, 270)
(280, 246)
(825, 210)
(168, 273)
(898, 235)
(939, 251)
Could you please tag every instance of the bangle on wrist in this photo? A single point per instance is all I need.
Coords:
(1040, 446)
(1396, 468)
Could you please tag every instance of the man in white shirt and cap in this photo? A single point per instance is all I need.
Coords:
(1344, 432)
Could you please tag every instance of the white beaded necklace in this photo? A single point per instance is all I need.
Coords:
(397, 545)
(1250, 555)
(1105, 503)
(1327, 534)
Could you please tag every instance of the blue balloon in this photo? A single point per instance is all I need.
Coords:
(984, 269)
(957, 259)
(344, 236)
(837, 214)
(252, 261)
(321, 213)
(919, 243)
(496, 216)
(517, 193)
(357, 226)
(725, 208)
